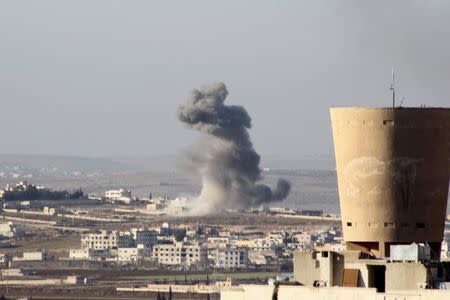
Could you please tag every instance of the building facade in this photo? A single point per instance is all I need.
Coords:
(106, 239)
(393, 175)
(232, 258)
(183, 254)
(122, 195)
(145, 237)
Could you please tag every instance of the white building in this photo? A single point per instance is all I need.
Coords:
(232, 258)
(79, 253)
(8, 230)
(218, 242)
(106, 240)
(32, 256)
(132, 254)
(49, 211)
(445, 250)
(90, 254)
(153, 206)
(122, 195)
(181, 254)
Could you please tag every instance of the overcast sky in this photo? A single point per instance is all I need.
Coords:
(103, 78)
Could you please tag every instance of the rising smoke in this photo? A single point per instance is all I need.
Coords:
(226, 160)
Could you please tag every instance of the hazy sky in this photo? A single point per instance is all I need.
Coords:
(104, 77)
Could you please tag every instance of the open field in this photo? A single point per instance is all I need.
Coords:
(52, 243)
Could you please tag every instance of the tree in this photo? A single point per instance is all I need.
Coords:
(214, 232)
(200, 231)
(170, 293)
(179, 235)
(275, 291)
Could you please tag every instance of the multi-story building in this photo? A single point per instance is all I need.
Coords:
(122, 195)
(184, 254)
(131, 254)
(218, 242)
(105, 239)
(165, 230)
(232, 258)
(145, 237)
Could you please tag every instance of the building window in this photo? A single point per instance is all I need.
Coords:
(349, 224)
(420, 225)
(389, 224)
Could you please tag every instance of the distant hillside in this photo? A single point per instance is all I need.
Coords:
(28, 166)
(23, 166)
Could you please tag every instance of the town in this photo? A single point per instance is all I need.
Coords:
(87, 237)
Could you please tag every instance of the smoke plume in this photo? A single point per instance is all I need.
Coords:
(226, 160)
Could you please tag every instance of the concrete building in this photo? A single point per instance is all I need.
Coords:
(8, 230)
(121, 195)
(183, 254)
(145, 237)
(11, 273)
(328, 275)
(218, 242)
(166, 230)
(132, 254)
(32, 256)
(393, 175)
(356, 269)
(105, 239)
(232, 258)
(49, 211)
(91, 254)
(80, 254)
(445, 250)
(290, 292)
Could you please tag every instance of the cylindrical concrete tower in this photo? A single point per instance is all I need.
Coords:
(393, 168)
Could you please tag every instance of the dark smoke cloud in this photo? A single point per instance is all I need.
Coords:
(226, 160)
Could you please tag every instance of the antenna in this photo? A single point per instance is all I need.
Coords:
(392, 88)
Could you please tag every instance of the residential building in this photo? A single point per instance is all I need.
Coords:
(105, 239)
(232, 258)
(90, 254)
(145, 237)
(218, 242)
(121, 195)
(183, 254)
(132, 254)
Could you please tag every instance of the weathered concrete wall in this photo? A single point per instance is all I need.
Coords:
(176, 288)
(251, 292)
(405, 276)
(393, 174)
(306, 268)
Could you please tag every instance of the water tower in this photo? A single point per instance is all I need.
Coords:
(393, 168)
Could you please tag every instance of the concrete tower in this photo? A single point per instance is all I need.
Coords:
(393, 168)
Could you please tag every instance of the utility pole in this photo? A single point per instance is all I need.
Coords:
(392, 88)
